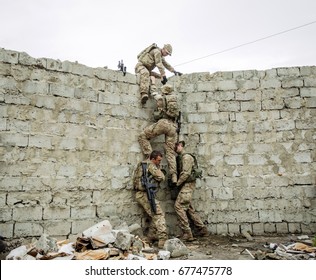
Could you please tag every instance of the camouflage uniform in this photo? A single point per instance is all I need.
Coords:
(146, 63)
(183, 205)
(158, 222)
(166, 125)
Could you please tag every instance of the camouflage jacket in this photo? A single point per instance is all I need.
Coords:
(156, 175)
(184, 164)
(167, 107)
(154, 58)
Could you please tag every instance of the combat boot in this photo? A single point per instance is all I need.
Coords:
(151, 238)
(187, 236)
(151, 235)
(203, 232)
(144, 98)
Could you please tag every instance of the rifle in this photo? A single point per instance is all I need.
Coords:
(121, 67)
(178, 125)
(151, 188)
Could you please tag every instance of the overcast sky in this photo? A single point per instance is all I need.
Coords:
(206, 35)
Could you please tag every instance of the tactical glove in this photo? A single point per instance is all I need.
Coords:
(177, 73)
(164, 80)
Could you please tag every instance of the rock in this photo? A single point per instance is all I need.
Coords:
(17, 253)
(98, 229)
(101, 232)
(302, 237)
(163, 255)
(135, 257)
(137, 246)
(46, 244)
(246, 234)
(136, 229)
(176, 248)
(124, 240)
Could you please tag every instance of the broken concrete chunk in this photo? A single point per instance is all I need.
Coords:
(135, 257)
(246, 234)
(137, 246)
(17, 253)
(98, 229)
(101, 233)
(124, 240)
(46, 244)
(136, 229)
(176, 248)
(303, 237)
(67, 249)
(163, 255)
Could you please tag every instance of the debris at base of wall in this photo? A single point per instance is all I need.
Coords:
(246, 234)
(99, 242)
(298, 250)
(176, 247)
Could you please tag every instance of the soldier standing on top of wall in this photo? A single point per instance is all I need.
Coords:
(148, 59)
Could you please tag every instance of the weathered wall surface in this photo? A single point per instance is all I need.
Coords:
(68, 147)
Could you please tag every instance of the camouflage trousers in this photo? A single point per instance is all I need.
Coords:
(146, 84)
(169, 129)
(158, 222)
(185, 210)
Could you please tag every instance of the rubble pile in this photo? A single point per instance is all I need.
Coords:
(99, 242)
(300, 249)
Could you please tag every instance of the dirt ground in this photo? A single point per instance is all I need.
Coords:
(218, 247)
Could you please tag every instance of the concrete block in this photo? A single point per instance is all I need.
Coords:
(56, 213)
(33, 213)
(40, 141)
(7, 229)
(282, 228)
(308, 92)
(28, 229)
(83, 212)
(8, 56)
(57, 228)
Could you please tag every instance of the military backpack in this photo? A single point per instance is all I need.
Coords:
(170, 108)
(196, 172)
(147, 50)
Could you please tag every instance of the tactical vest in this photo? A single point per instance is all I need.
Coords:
(137, 182)
(196, 172)
(147, 50)
(170, 108)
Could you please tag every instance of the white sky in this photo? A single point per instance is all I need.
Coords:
(99, 33)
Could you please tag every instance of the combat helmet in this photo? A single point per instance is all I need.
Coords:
(168, 48)
(166, 89)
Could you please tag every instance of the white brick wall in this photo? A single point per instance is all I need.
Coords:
(68, 147)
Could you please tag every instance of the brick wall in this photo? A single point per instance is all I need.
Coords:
(68, 147)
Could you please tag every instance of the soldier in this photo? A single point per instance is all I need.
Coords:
(157, 229)
(148, 59)
(166, 116)
(183, 205)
